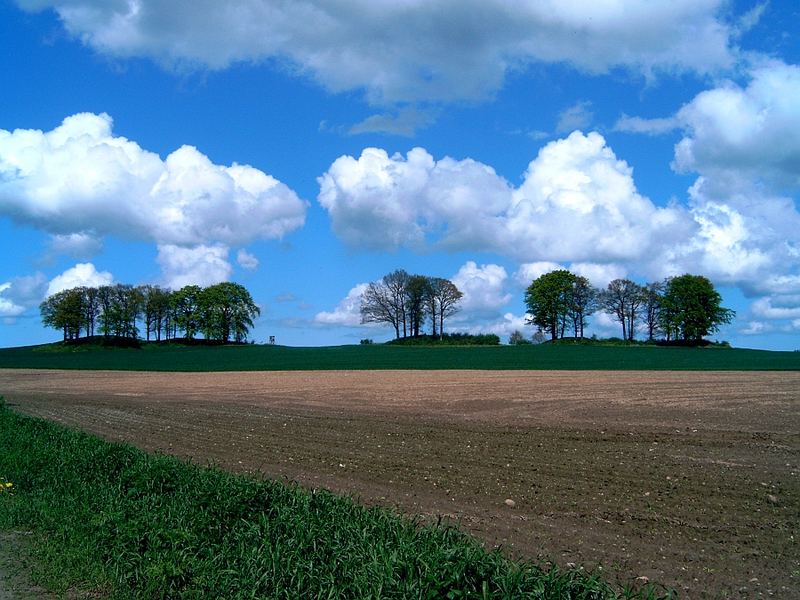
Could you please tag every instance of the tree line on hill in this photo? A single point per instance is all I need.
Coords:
(684, 308)
(407, 302)
(221, 312)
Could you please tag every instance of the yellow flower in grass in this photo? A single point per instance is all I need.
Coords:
(6, 485)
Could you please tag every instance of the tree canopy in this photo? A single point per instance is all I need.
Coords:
(221, 312)
(685, 308)
(691, 308)
(549, 301)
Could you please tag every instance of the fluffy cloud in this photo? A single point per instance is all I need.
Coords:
(383, 202)
(502, 326)
(21, 293)
(200, 265)
(752, 130)
(483, 287)
(8, 308)
(599, 275)
(81, 178)
(577, 202)
(777, 308)
(82, 274)
(347, 313)
(527, 272)
(744, 142)
(407, 51)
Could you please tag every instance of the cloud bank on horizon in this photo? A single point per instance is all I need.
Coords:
(577, 204)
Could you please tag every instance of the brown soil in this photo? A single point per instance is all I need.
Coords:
(689, 479)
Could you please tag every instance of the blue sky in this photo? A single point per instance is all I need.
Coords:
(305, 149)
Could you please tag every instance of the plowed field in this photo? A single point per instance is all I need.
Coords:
(691, 479)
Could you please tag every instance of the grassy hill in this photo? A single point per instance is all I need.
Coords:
(378, 356)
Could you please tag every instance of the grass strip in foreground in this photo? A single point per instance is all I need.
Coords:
(111, 518)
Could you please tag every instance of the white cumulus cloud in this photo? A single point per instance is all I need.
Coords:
(80, 182)
(22, 293)
(599, 275)
(483, 287)
(407, 51)
(744, 143)
(201, 265)
(578, 202)
(503, 326)
(753, 130)
(8, 308)
(777, 308)
(80, 177)
(527, 272)
(347, 313)
(82, 274)
(386, 202)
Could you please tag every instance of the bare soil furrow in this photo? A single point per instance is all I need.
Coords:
(687, 478)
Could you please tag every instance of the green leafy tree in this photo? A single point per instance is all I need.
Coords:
(691, 308)
(105, 301)
(227, 311)
(64, 310)
(126, 308)
(185, 305)
(417, 290)
(549, 301)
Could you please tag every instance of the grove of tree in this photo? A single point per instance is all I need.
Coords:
(685, 308)
(406, 302)
(223, 312)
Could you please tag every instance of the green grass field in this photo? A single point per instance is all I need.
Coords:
(274, 358)
(113, 521)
